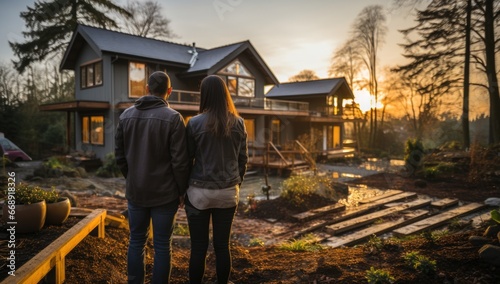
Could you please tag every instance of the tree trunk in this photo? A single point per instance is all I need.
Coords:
(465, 106)
(489, 35)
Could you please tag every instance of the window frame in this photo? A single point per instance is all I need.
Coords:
(227, 76)
(95, 67)
(87, 129)
(149, 68)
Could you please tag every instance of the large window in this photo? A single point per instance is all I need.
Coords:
(240, 81)
(250, 127)
(138, 74)
(333, 105)
(93, 129)
(333, 136)
(91, 75)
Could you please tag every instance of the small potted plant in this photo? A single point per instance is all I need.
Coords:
(58, 208)
(29, 209)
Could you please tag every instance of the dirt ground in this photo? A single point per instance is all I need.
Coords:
(97, 260)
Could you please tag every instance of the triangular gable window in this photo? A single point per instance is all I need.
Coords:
(236, 68)
(239, 81)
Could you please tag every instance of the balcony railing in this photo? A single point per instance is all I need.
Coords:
(347, 112)
(190, 97)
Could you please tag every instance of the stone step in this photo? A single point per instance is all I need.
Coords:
(361, 235)
(438, 220)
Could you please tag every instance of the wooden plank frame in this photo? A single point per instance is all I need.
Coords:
(53, 256)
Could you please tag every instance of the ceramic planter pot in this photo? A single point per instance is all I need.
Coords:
(58, 212)
(30, 218)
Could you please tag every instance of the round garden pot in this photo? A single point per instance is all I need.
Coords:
(30, 218)
(58, 212)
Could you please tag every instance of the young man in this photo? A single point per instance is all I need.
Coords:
(152, 155)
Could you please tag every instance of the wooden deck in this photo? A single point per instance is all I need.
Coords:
(393, 211)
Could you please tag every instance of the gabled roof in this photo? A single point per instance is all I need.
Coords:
(208, 61)
(311, 88)
(102, 40)
(212, 60)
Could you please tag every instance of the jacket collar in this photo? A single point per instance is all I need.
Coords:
(149, 102)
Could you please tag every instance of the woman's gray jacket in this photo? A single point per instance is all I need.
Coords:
(219, 162)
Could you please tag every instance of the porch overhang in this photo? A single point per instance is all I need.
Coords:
(72, 106)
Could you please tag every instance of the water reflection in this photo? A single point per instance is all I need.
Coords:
(252, 186)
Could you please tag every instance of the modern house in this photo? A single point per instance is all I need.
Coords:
(111, 71)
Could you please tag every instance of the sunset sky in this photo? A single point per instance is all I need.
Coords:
(290, 35)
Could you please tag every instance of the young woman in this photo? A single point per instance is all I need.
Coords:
(217, 143)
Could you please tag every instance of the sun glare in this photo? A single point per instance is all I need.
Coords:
(365, 100)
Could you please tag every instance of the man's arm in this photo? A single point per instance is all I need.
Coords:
(179, 153)
(121, 160)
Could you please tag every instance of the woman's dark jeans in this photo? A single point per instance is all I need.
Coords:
(140, 218)
(199, 222)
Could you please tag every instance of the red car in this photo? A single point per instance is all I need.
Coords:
(12, 152)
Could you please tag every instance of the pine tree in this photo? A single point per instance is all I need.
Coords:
(50, 23)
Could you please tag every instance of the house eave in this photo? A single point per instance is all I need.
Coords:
(72, 106)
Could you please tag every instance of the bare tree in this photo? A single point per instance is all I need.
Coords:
(304, 75)
(346, 62)
(147, 20)
(368, 34)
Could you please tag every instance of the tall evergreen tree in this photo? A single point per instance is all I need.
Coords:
(50, 23)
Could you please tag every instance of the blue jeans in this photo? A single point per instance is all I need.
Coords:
(163, 225)
(199, 222)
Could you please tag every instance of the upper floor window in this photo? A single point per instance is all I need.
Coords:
(138, 74)
(333, 105)
(91, 75)
(240, 81)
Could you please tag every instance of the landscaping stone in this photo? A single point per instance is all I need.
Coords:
(479, 240)
(492, 231)
(490, 254)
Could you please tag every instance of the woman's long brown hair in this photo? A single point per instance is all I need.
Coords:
(217, 103)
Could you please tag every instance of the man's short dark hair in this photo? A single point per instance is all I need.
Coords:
(158, 83)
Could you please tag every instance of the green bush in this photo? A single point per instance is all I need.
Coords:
(414, 154)
(51, 196)
(307, 243)
(296, 189)
(109, 167)
(420, 262)
(28, 194)
(378, 276)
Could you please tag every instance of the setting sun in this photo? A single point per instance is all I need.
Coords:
(365, 100)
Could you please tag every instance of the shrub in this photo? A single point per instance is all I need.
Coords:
(256, 242)
(51, 196)
(109, 167)
(307, 243)
(378, 276)
(28, 194)
(374, 244)
(297, 189)
(414, 153)
(420, 262)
